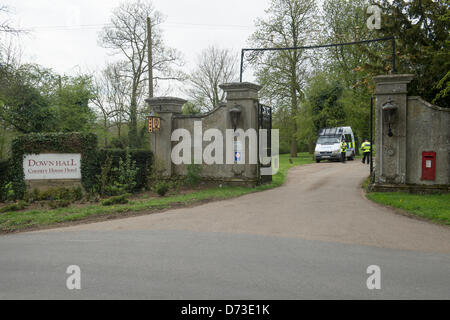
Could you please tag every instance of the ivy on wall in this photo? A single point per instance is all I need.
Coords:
(35, 143)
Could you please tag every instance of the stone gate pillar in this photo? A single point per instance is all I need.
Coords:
(391, 128)
(243, 95)
(160, 143)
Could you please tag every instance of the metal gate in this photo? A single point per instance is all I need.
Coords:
(264, 122)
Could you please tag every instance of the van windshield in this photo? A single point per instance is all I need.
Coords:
(328, 140)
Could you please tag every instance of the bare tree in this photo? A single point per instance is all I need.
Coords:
(111, 97)
(127, 35)
(215, 66)
(6, 24)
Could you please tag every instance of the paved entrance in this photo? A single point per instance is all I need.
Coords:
(319, 202)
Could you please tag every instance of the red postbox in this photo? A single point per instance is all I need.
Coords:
(428, 165)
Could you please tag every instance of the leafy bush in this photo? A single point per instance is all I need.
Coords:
(104, 177)
(127, 173)
(142, 159)
(52, 194)
(77, 193)
(59, 203)
(161, 188)
(14, 207)
(193, 174)
(122, 199)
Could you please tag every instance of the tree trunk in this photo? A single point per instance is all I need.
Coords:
(132, 133)
(294, 147)
(105, 122)
(294, 110)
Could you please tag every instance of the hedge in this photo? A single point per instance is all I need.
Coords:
(35, 143)
(143, 159)
(92, 158)
(4, 177)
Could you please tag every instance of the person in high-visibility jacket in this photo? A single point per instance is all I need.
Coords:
(366, 148)
(343, 150)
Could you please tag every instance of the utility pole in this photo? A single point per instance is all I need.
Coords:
(150, 58)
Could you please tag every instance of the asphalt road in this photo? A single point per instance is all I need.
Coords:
(310, 239)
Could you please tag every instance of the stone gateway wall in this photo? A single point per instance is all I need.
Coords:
(243, 95)
(428, 130)
(405, 127)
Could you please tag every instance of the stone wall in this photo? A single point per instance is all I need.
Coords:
(404, 128)
(428, 130)
(244, 95)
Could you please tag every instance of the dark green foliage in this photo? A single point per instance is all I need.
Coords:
(72, 101)
(142, 158)
(193, 174)
(54, 204)
(35, 99)
(4, 178)
(161, 188)
(119, 142)
(35, 143)
(14, 207)
(122, 199)
(26, 109)
(422, 30)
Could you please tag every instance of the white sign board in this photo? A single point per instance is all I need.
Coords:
(46, 166)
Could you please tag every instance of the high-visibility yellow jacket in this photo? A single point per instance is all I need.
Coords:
(366, 147)
(343, 146)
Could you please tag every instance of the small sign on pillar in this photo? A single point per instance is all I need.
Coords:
(154, 124)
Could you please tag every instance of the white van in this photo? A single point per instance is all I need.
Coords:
(328, 144)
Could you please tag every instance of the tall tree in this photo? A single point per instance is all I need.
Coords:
(22, 105)
(72, 102)
(214, 67)
(288, 23)
(111, 98)
(346, 21)
(127, 35)
(422, 30)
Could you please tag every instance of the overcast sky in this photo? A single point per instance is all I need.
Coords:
(64, 33)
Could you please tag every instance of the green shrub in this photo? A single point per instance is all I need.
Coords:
(52, 194)
(161, 188)
(59, 203)
(193, 174)
(105, 176)
(122, 199)
(77, 193)
(14, 207)
(143, 163)
(127, 173)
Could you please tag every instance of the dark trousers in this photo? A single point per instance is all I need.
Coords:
(343, 156)
(366, 156)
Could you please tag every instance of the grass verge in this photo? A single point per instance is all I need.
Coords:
(33, 219)
(435, 207)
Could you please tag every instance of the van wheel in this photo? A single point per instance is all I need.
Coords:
(317, 160)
